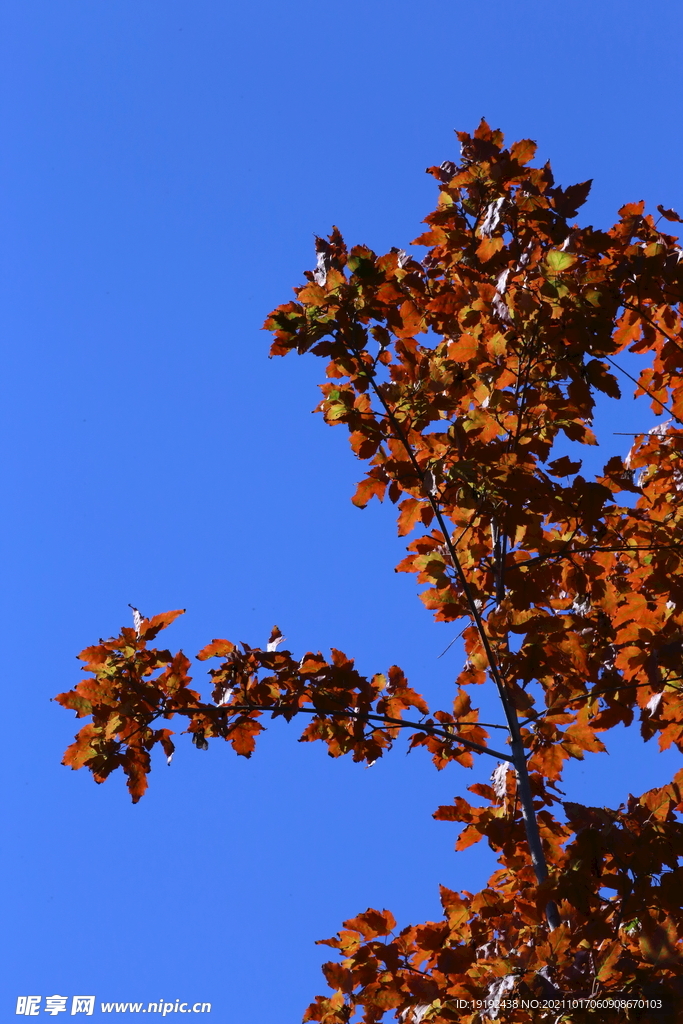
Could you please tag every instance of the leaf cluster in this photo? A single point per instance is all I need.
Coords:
(456, 375)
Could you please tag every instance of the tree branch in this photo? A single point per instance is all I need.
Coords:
(430, 730)
(582, 551)
(518, 753)
(644, 390)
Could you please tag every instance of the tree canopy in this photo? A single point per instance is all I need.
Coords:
(455, 376)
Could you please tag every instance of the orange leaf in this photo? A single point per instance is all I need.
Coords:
(629, 330)
(372, 923)
(216, 649)
(548, 761)
(468, 837)
(581, 735)
(312, 294)
(74, 702)
(608, 961)
(151, 627)
(136, 765)
(82, 750)
(411, 319)
(367, 489)
(523, 151)
(242, 735)
(488, 248)
(409, 515)
(463, 348)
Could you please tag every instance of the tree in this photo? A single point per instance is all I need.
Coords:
(523, 316)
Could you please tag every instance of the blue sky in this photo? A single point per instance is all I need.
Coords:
(165, 167)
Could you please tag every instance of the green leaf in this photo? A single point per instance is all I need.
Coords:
(557, 261)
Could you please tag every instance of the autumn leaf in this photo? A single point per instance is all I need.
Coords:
(410, 514)
(159, 622)
(523, 151)
(242, 736)
(458, 378)
(599, 377)
(563, 466)
(216, 649)
(411, 319)
(372, 923)
(488, 248)
(367, 489)
(463, 348)
(468, 837)
(558, 261)
(568, 200)
(670, 215)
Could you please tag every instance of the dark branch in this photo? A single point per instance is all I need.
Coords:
(430, 730)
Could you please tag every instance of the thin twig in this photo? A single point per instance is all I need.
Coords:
(589, 550)
(602, 693)
(643, 389)
(451, 643)
(430, 730)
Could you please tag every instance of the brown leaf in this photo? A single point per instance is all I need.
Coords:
(670, 215)
(372, 923)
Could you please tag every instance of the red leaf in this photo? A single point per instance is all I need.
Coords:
(670, 215)
(564, 466)
(600, 378)
(568, 200)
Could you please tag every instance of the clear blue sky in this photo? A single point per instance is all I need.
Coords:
(165, 166)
